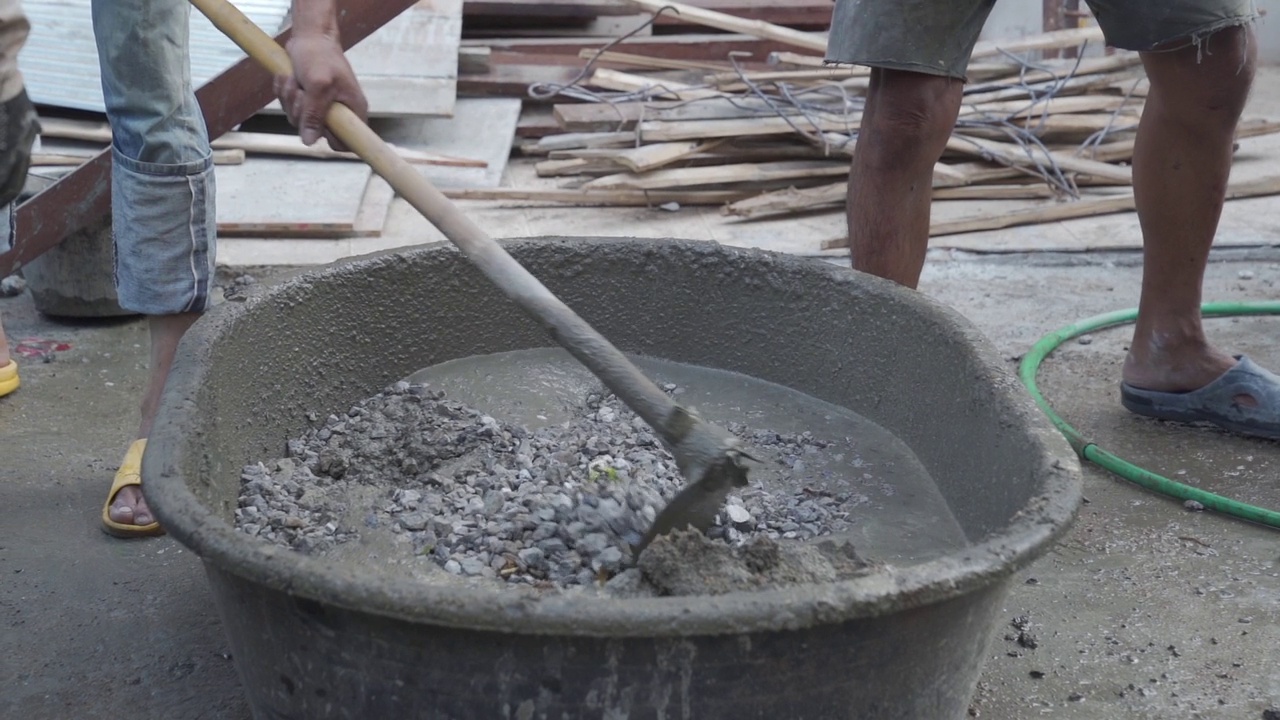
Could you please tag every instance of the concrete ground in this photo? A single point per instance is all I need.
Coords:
(1145, 610)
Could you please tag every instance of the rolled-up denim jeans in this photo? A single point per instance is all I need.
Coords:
(162, 186)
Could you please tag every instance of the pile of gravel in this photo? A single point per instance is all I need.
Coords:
(558, 506)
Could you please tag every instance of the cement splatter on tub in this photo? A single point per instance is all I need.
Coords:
(427, 479)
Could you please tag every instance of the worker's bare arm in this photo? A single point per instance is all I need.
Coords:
(321, 73)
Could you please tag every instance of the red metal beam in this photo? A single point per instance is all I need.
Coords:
(81, 200)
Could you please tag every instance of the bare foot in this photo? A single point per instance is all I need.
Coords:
(130, 508)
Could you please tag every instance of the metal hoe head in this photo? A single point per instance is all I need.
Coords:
(713, 461)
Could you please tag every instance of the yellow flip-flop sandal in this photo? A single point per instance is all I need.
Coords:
(9, 378)
(130, 473)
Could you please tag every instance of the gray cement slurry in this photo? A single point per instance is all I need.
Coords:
(519, 466)
(900, 516)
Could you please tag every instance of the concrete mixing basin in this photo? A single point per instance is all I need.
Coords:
(314, 640)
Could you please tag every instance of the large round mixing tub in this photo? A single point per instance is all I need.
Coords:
(314, 641)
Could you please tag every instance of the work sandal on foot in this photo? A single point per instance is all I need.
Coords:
(1216, 402)
(130, 473)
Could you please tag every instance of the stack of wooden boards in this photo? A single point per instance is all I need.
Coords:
(268, 183)
(748, 116)
(645, 103)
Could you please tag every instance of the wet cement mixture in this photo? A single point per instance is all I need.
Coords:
(421, 484)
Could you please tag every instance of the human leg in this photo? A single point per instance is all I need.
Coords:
(1199, 56)
(18, 123)
(162, 202)
(905, 126)
(18, 130)
(1182, 159)
(9, 380)
(918, 51)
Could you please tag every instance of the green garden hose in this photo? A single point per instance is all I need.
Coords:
(1092, 453)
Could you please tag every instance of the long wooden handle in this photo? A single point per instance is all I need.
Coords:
(569, 330)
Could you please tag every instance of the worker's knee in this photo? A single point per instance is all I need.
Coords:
(909, 116)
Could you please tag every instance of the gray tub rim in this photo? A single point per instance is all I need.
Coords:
(1036, 527)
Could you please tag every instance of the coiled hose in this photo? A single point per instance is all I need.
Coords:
(1090, 451)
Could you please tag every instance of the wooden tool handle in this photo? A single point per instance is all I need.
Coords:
(569, 330)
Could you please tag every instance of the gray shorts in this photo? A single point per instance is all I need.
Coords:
(162, 187)
(937, 37)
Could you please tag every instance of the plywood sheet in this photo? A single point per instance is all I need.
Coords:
(372, 216)
(481, 129)
(60, 59)
(294, 198)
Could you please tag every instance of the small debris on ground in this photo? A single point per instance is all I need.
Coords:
(238, 287)
(1025, 637)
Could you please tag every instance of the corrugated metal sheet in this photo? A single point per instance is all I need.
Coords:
(60, 60)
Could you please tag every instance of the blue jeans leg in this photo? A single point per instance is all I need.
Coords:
(162, 185)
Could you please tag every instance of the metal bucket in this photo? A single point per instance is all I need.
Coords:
(312, 640)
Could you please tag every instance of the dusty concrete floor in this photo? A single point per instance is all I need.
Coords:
(1146, 610)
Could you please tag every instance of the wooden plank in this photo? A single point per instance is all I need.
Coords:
(710, 47)
(1010, 154)
(1122, 150)
(791, 200)
(537, 121)
(575, 166)
(1069, 127)
(811, 15)
(611, 117)
(633, 60)
(652, 157)
(372, 215)
(254, 201)
(662, 131)
(1057, 70)
(1070, 86)
(608, 198)
(1070, 37)
(660, 88)
(64, 158)
(566, 9)
(725, 80)
(513, 81)
(729, 23)
(1052, 105)
(1092, 207)
(718, 175)
(719, 152)
(474, 60)
(571, 141)
(257, 143)
(481, 129)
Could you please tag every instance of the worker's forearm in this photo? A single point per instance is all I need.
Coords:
(315, 17)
